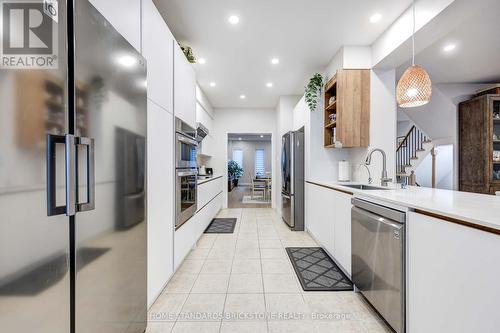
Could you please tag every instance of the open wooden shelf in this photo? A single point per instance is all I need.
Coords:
(332, 106)
(351, 107)
(331, 125)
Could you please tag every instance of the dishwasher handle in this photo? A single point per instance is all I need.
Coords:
(389, 213)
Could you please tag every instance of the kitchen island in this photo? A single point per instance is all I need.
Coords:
(452, 251)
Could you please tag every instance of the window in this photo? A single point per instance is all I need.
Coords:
(260, 169)
(238, 157)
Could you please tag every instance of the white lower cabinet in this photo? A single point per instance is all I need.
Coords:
(189, 233)
(328, 219)
(453, 274)
(342, 221)
(319, 217)
(160, 198)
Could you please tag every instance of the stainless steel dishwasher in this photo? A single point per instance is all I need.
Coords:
(378, 259)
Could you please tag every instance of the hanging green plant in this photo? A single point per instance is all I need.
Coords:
(188, 52)
(313, 91)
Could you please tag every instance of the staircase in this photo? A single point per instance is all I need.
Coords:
(410, 152)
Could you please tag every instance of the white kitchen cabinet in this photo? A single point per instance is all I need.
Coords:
(342, 220)
(158, 49)
(160, 175)
(184, 88)
(189, 233)
(453, 274)
(202, 116)
(328, 219)
(208, 190)
(319, 215)
(124, 16)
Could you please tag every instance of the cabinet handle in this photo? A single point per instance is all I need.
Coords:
(52, 141)
(90, 204)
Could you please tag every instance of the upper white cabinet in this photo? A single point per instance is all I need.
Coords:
(202, 116)
(125, 16)
(158, 49)
(184, 88)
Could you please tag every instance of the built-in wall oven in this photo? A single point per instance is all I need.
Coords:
(186, 171)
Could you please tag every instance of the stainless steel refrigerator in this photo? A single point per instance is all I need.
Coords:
(292, 179)
(73, 239)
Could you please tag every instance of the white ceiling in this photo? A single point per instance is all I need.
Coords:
(248, 137)
(476, 58)
(303, 34)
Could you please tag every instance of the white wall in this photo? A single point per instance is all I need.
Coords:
(248, 148)
(444, 168)
(242, 121)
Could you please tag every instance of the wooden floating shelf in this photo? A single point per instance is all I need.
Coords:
(330, 146)
(332, 106)
(331, 125)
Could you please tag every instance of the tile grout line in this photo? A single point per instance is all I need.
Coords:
(190, 290)
(231, 271)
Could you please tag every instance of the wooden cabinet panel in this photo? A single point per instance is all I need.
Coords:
(475, 132)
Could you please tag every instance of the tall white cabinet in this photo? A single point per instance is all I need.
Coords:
(157, 47)
(125, 16)
(184, 88)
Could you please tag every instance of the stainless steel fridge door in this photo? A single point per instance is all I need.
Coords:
(111, 239)
(286, 173)
(287, 209)
(34, 247)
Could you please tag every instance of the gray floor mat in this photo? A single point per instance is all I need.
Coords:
(221, 226)
(316, 270)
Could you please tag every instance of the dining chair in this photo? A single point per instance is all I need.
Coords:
(258, 186)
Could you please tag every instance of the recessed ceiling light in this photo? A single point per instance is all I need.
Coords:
(261, 136)
(269, 84)
(127, 61)
(243, 96)
(233, 19)
(213, 84)
(239, 139)
(375, 18)
(202, 61)
(275, 61)
(449, 47)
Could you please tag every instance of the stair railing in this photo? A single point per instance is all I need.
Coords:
(407, 151)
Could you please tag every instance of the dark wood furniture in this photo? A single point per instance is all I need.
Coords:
(479, 137)
(351, 89)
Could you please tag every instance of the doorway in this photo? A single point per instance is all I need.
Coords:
(249, 170)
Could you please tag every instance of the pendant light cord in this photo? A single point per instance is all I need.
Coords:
(413, 36)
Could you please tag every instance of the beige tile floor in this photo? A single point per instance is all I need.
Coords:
(247, 277)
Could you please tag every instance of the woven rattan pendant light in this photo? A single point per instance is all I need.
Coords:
(415, 86)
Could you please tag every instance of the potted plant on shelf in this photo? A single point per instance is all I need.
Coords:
(234, 171)
(313, 91)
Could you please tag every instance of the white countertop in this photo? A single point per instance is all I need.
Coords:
(215, 176)
(479, 209)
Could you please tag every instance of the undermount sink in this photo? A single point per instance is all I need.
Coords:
(366, 187)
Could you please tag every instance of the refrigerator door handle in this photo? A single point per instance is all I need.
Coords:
(90, 204)
(52, 140)
(70, 149)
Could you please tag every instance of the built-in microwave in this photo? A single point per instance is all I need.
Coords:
(186, 145)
